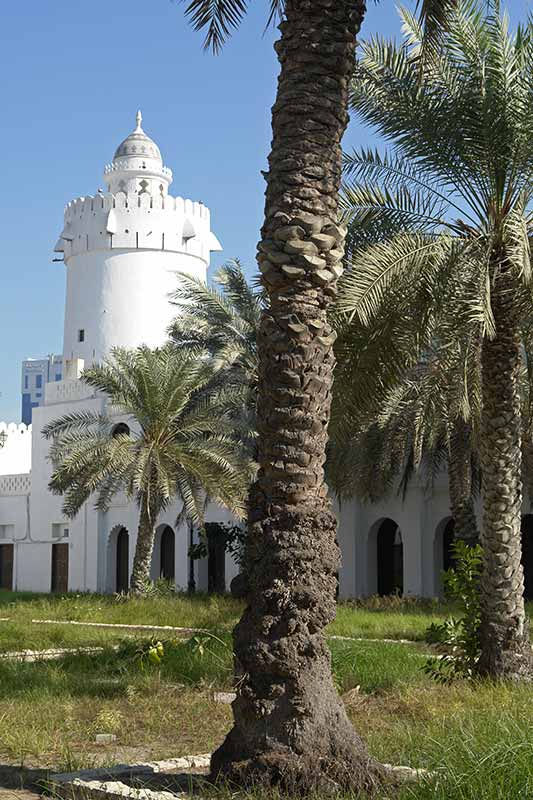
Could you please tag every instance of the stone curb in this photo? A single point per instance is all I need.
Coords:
(366, 639)
(120, 625)
(95, 783)
(92, 783)
(148, 768)
(47, 655)
(126, 626)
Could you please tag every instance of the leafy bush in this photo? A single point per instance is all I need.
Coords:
(457, 638)
(233, 536)
(162, 587)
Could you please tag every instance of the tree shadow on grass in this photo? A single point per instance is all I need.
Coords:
(17, 777)
(76, 675)
(107, 674)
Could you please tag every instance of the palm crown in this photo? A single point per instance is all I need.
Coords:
(178, 445)
(457, 183)
(219, 18)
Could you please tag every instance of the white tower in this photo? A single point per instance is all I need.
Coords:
(122, 249)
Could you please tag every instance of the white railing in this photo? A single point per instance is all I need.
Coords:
(15, 484)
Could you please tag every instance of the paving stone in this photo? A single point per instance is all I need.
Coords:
(224, 697)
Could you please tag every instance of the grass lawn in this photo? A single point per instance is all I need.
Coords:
(394, 619)
(478, 738)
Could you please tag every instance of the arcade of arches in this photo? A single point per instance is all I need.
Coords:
(163, 558)
(386, 547)
(389, 555)
(386, 553)
(122, 568)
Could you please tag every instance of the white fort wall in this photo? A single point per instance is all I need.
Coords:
(92, 541)
(29, 525)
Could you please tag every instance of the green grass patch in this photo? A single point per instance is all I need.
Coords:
(477, 738)
(388, 618)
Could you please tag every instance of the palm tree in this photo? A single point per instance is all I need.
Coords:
(178, 447)
(290, 727)
(459, 178)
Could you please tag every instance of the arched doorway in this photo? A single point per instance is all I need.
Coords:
(122, 573)
(167, 560)
(448, 538)
(216, 558)
(527, 555)
(389, 547)
(443, 558)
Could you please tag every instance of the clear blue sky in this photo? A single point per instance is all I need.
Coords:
(73, 76)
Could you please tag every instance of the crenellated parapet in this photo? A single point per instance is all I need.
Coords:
(15, 429)
(138, 222)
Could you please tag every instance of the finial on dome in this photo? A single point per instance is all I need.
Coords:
(139, 119)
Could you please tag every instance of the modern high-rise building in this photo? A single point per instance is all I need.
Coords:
(36, 373)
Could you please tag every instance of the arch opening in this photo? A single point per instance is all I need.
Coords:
(527, 554)
(120, 429)
(443, 558)
(122, 570)
(389, 558)
(167, 555)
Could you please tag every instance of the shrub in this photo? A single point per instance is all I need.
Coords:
(457, 638)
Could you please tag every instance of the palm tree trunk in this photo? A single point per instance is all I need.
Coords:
(290, 727)
(460, 483)
(506, 650)
(142, 561)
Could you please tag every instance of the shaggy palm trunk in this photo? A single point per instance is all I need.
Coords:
(142, 561)
(460, 483)
(290, 728)
(506, 650)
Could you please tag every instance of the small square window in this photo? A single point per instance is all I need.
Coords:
(58, 376)
(59, 531)
(81, 335)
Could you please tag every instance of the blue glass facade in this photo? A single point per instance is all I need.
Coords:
(36, 373)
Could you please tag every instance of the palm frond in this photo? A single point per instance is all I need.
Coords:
(219, 17)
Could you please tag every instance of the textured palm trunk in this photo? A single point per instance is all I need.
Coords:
(460, 483)
(290, 727)
(142, 560)
(506, 650)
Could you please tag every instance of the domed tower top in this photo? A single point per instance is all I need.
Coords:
(137, 166)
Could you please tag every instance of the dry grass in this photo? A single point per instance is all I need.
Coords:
(478, 738)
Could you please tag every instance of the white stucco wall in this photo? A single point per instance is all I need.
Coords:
(15, 455)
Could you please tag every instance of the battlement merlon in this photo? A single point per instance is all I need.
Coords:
(136, 221)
